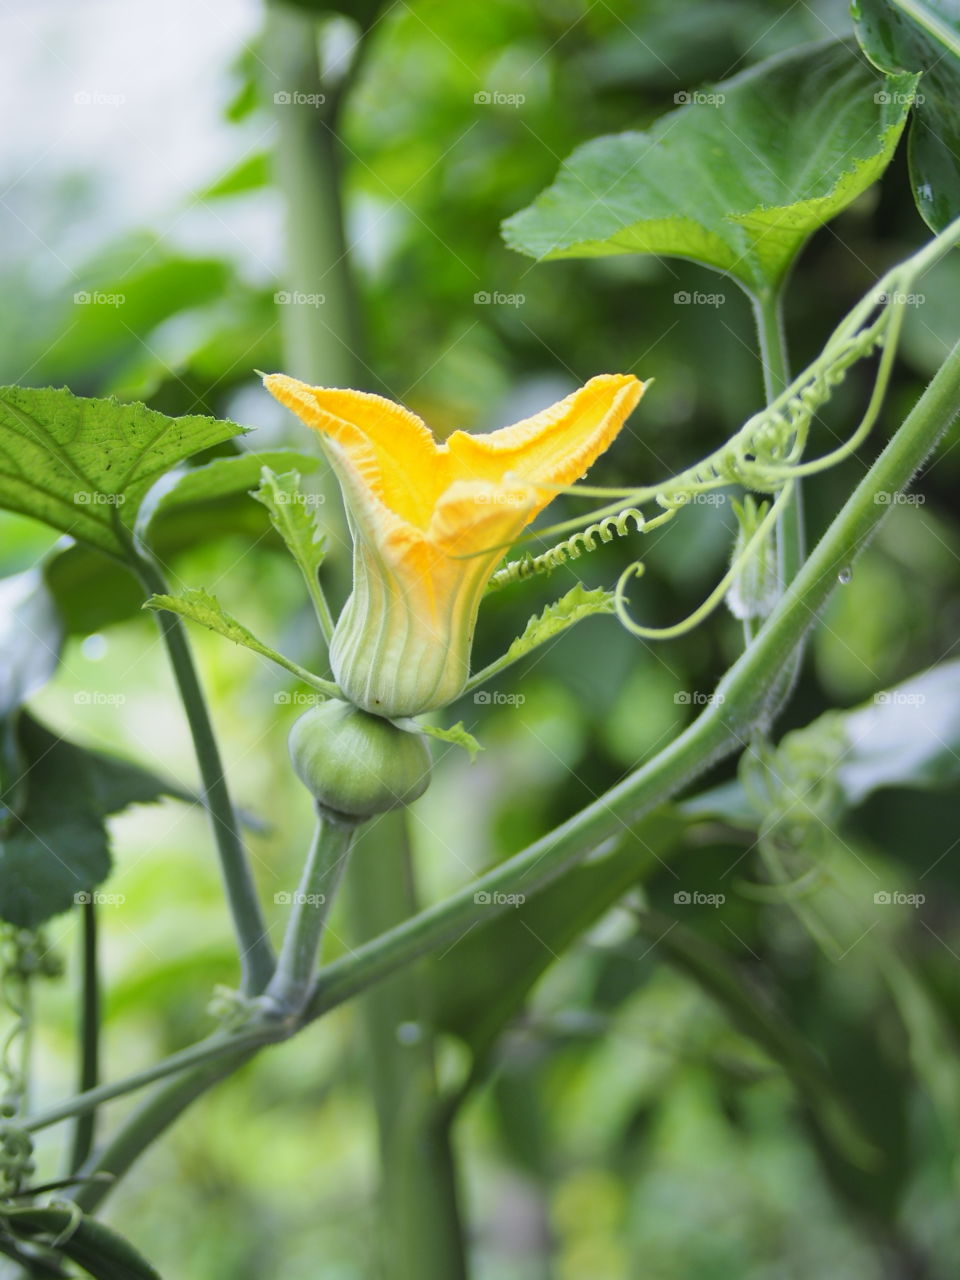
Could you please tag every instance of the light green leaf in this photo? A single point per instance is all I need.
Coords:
(738, 178)
(923, 35)
(293, 515)
(577, 604)
(201, 486)
(83, 466)
(202, 607)
(456, 734)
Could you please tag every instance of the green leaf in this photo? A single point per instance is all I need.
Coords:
(923, 35)
(99, 1250)
(293, 515)
(456, 734)
(198, 487)
(83, 466)
(577, 604)
(202, 607)
(56, 845)
(738, 179)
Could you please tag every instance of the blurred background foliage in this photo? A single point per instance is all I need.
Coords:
(629, 1125)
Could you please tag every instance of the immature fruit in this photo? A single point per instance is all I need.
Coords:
(357, 764)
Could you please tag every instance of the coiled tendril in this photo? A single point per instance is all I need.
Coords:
(765, 455)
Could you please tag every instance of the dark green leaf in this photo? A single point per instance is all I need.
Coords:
(56, 844)
(924, 35)
(737, 179)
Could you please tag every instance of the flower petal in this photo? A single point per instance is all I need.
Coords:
(390, 446)
(555, 446)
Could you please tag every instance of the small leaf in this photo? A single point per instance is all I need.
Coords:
(201, 486)
(577, 604)
(738, 179)
(456, 734)
(923, 35)
(83, 466)
(293, 515)
(202, 607)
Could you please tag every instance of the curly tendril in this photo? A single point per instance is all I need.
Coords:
(764, 456)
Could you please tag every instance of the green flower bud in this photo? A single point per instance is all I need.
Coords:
(356, 764)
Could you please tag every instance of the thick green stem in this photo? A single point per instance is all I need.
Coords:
(420, 1235)
(256, 953)
(89, 1035)
(741, 705)
(292, 983)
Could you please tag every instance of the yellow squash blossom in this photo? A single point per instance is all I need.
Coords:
(430, 521)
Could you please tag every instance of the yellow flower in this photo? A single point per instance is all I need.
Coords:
(420, 512)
